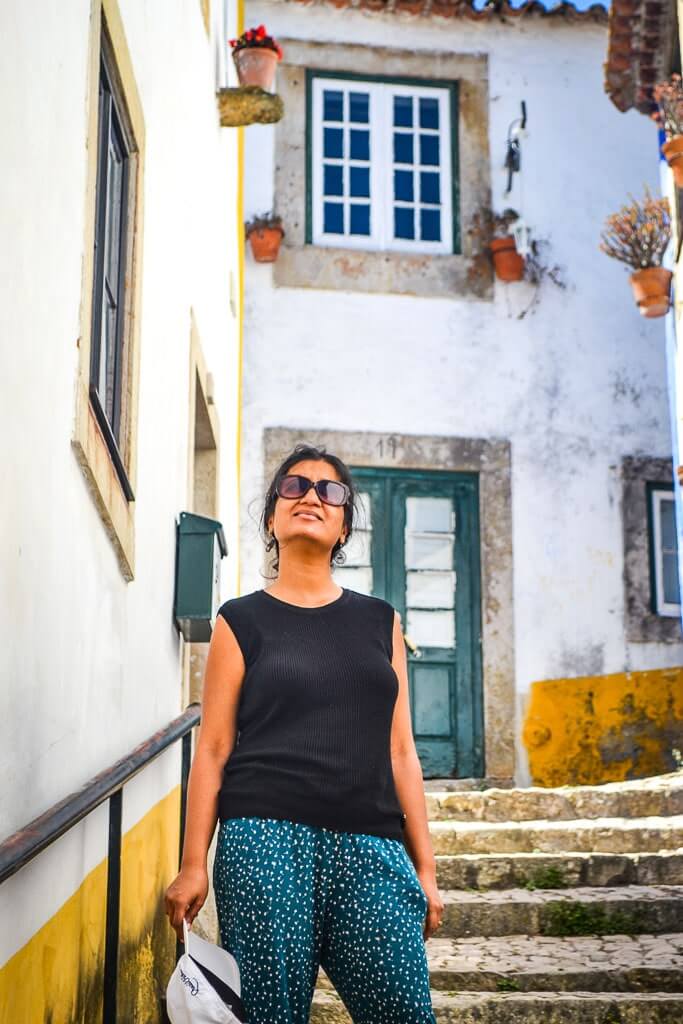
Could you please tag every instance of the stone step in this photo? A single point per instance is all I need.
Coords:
(587, 910)
(616, 963)
(659, 796)
(529, 1008)
(557, 870)
(599, 835)
(465, 785)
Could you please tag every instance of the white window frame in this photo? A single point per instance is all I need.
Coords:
(380, 125)
(657, 496)
(221, 16)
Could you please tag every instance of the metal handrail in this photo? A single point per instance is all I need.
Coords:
(21, 847)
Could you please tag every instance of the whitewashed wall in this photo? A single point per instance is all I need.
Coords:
(574, 384)
(91, 665)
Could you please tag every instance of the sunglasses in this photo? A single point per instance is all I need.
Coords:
(332, 492)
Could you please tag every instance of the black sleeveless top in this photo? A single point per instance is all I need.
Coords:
(315, 712)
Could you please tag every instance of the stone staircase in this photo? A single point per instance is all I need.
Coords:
(560, 905)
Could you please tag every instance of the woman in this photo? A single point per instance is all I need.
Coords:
(323, 787)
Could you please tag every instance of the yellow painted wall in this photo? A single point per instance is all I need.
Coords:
(56, 978)
(595, 729)
(147, 951)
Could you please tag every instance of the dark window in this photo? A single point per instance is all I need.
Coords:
(663, 543)
(360, 219)
(334, 218)
(404, 222)
(360, 145)
(112, 229)
(333, 182)
(359, 106)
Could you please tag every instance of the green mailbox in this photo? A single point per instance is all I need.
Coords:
(200, 545)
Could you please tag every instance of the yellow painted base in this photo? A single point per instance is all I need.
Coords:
(596, 729)
(56, 978)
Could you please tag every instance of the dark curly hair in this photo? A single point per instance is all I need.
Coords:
(300, 452)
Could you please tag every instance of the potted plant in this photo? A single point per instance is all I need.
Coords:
(669, 117)
(256, 54)
(638, 236)
(265, 233)
(507, 261)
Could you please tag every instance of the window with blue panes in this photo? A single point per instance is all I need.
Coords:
(381, 165)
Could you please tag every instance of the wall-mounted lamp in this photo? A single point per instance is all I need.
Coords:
(522, 237)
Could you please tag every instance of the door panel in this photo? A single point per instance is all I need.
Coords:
(433, 711)
(357, 573)
(419, 549)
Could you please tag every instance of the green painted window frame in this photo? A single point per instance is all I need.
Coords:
(453, 91)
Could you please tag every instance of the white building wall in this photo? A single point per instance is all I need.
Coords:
(574, 384)
(90, 665)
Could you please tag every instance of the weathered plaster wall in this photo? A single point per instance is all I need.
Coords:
(573, 382)
(90, 663)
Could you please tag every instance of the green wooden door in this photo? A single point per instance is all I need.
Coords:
(416, 544)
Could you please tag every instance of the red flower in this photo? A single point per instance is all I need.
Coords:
(257, 36)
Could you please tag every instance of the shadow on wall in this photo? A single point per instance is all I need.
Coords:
(595, 729)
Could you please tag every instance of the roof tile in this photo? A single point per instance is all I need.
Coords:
(637, 51)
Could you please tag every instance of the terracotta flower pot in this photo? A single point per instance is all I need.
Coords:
(265, 243)
(508, 263)
(255, 65)
(651, 290)
(673, 151)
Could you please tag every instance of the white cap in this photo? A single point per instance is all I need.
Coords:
(190, 996)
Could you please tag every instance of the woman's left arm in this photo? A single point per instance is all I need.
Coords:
(409, 784)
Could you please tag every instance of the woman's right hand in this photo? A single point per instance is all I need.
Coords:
(185, 897)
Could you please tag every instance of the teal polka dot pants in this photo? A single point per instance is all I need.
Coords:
(291, 897)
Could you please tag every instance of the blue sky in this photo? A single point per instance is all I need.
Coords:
(580, 4)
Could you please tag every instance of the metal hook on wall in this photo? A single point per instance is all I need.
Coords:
(513, 155)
